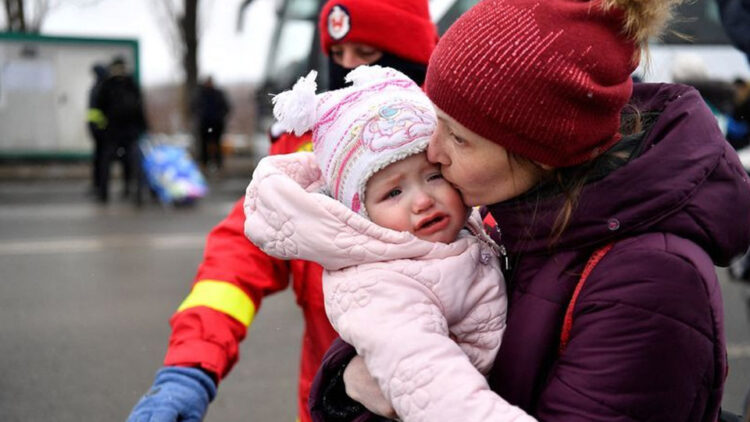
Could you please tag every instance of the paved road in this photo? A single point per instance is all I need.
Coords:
(86, 292)
(85, 298)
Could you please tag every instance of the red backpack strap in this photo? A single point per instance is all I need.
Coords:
(568, 321)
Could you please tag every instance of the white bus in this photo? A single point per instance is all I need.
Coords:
(696, 31)
(294, 46)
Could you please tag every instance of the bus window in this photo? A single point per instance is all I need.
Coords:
(696, 23)
(697, 33)
(293, 50)
(445, 12)
(302, 9)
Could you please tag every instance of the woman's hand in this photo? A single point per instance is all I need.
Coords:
(362, 387)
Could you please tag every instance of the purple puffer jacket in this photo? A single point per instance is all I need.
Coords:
(647, 342)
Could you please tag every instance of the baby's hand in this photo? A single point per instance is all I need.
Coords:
(362, 387)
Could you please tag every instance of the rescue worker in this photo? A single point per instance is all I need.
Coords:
(235, 275)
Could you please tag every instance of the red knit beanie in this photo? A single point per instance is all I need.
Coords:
(400, 27)
(545, 79)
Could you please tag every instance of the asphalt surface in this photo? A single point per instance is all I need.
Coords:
(85, 298)
(86, 292)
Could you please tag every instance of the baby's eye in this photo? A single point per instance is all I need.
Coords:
(392, 193)
(435, 176)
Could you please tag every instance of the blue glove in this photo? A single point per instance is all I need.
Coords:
(178, 394)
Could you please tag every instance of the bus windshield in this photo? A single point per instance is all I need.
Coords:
(698, 23)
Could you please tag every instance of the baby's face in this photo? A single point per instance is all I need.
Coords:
(411, 195)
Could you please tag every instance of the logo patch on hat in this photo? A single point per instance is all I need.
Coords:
(339, 22)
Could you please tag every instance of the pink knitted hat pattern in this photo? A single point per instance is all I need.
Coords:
(382, 118)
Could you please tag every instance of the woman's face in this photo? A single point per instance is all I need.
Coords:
(483, 171)
(351, 55)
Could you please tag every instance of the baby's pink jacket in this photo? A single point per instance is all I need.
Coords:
(427, 317)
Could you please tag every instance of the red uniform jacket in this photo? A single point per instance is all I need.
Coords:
(228, 290)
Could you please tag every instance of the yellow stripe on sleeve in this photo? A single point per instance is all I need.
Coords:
(97, 117)
(306, 147)
(223, 297)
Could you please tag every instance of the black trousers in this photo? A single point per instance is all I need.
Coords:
(98, 137)
(117, 145)
(210, 139)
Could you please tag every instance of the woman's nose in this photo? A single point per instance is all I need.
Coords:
(435, 152)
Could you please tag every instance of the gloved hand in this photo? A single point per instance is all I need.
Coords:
(178, 394)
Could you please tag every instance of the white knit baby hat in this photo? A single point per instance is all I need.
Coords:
(383, 117)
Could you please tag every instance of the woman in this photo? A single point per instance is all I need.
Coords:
(539, 120)
(235, 276)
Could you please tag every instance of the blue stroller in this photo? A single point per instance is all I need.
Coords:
(170, 173)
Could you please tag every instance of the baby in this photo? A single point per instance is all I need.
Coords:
(411, 280)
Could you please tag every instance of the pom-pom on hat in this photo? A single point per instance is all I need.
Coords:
(382, 118)
(400, 27)
(545, 79)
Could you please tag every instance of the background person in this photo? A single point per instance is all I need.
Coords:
(119, 98)
(97, 123)
(739, 129)
(235, 275)
(541, 122)
(735, 17)
(211, 108)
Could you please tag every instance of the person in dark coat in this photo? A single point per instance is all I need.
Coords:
(119, 99)
(97, 123)
(739, 127)
(540, 121)
(211, 108)
(735, 17)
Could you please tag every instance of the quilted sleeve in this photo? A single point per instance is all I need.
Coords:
(479, 333)
(642, 347)
(229, 286)
(396, 324)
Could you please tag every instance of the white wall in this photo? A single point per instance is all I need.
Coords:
(44, 95)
